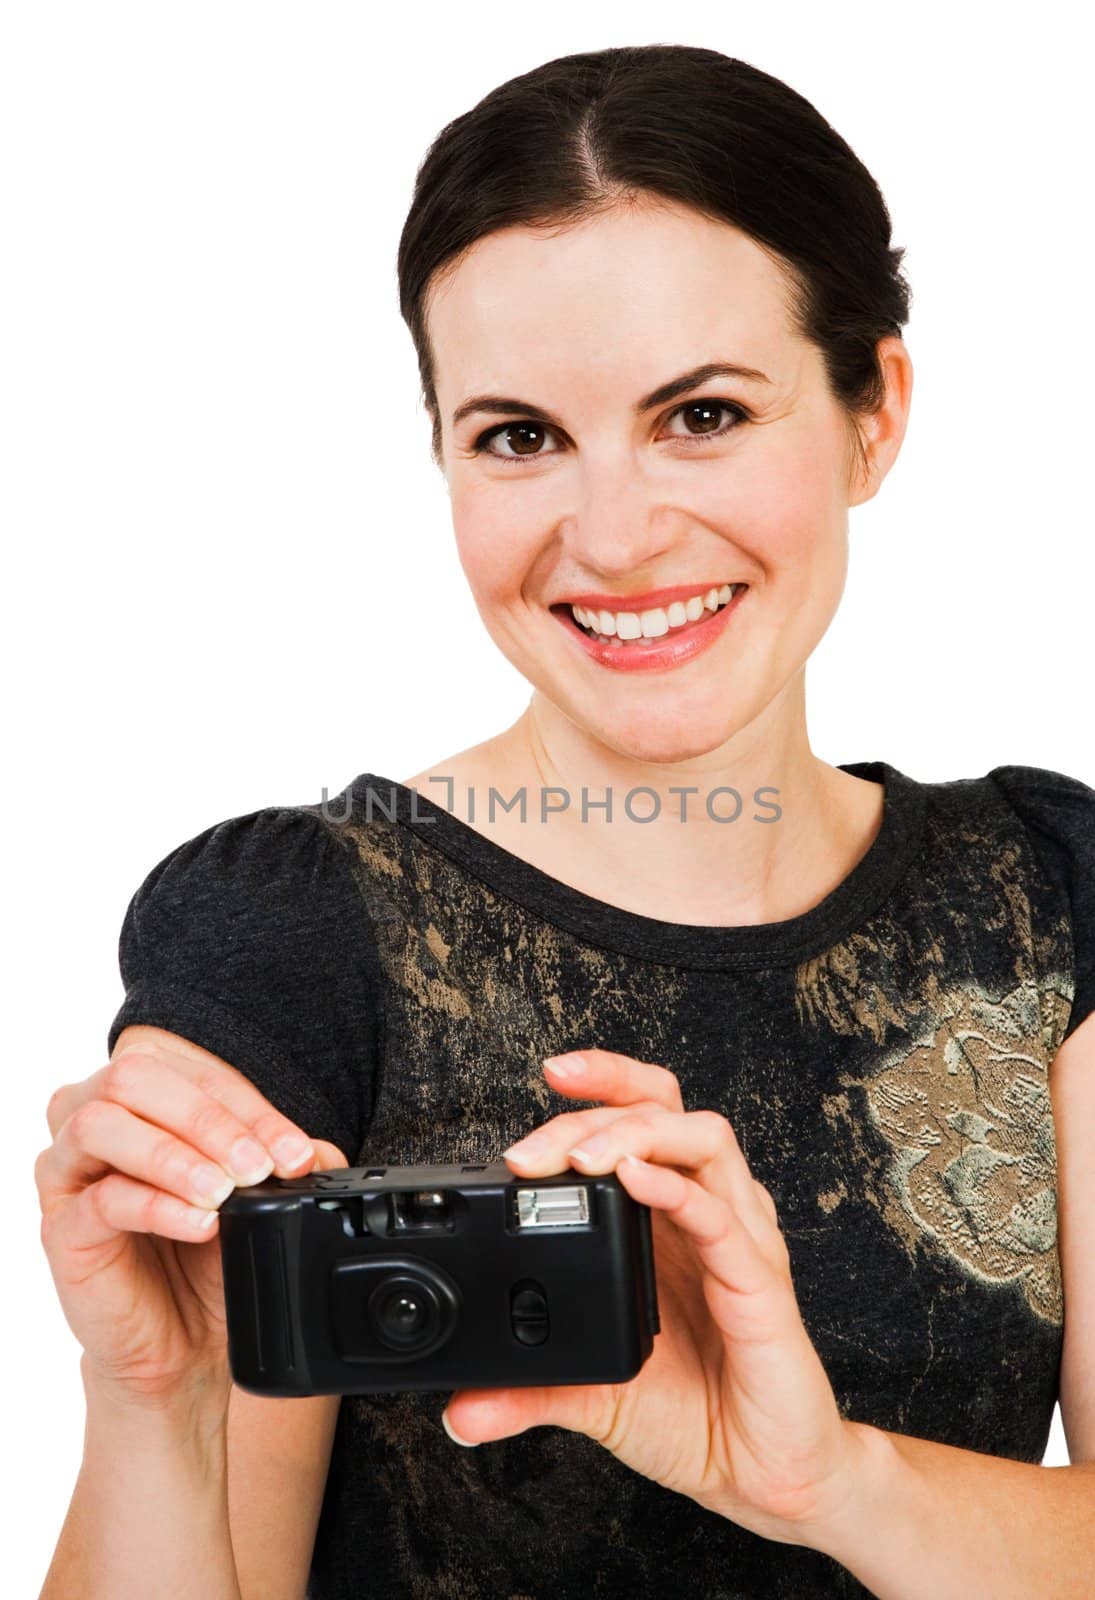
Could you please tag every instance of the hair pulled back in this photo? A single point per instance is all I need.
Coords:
(587, 133)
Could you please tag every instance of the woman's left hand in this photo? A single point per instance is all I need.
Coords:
(733, 1407)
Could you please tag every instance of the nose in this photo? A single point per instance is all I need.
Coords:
(617, 529)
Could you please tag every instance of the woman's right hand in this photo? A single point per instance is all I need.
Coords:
(124, 1188)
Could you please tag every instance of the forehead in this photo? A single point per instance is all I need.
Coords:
(662, 286)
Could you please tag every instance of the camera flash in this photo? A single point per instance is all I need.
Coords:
(552, 1208)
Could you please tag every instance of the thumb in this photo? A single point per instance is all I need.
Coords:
(480, 1416)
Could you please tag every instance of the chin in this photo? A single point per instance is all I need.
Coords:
(660, 745)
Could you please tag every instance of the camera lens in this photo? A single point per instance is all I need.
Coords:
(404, 1312)
(400, 1309)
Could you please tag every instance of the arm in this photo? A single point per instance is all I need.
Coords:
(279, 1454)
(924, 1519)
(927, 1521)
(150, 1507)
(155, 1501)
(216, 1510)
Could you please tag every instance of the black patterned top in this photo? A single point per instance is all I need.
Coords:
(391, 979)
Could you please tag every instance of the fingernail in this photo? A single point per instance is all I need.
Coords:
(212, 1185)
(579, 1155)
(527, 1149)
(250, 1163)
(453, 1435)
(290, 1151)
(595, 1145)
(565, 1066)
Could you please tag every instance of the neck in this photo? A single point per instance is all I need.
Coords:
(762, 831)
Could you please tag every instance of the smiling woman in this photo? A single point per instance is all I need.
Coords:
(658, 320)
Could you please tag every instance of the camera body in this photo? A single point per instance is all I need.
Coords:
(367, 1280)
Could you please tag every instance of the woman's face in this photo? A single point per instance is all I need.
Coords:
(572, 482)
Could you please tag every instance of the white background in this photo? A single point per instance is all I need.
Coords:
(219, 499)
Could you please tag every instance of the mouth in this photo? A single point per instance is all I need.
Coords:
(654, 639)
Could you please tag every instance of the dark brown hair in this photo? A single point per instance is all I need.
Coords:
(586, 133)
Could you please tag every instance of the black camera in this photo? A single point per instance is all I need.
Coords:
(366, 1280)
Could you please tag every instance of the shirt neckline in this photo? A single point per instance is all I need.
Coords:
(631, 933)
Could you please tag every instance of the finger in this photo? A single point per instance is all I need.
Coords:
(480, 1416)
(619, 1080)
(117, 1204)
(544, 1150)
(615, 1079)
(101, 1136)
(328, 1156)
(702, 1141)
(747, 1293)
(163, 1098)
(144, 1077)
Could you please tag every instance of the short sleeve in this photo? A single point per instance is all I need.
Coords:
(251, 940)
(1059, 813)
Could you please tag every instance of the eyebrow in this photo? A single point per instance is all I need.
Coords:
(496, 404)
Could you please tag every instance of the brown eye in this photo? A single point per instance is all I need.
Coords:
(710, 416)
(523, 436)
(523, 439)
(707, 414)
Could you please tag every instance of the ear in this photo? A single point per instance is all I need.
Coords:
(882, 431)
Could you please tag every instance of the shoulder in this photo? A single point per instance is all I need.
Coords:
(250, 940)
(278, 868)
(1053, 802)
(266, 847)
(381, 828)
(1057, 811)
(1053, 810)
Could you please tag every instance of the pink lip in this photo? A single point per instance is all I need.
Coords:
(640, 602)
(673, 649)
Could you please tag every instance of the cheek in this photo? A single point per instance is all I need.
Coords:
(781, 504)
(495, 545)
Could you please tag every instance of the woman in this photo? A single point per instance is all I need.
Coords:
(806, 1012)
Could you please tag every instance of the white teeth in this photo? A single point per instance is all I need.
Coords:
(651, 624)
(654, 623)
